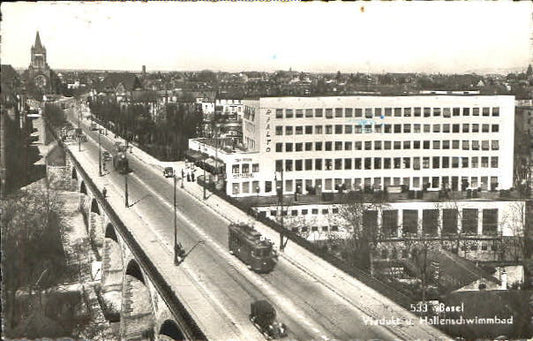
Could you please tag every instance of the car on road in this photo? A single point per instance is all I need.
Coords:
(106, 155)
(94, 126)
(168, 172)
(263, 316)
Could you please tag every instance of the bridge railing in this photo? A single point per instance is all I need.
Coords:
(169, 296)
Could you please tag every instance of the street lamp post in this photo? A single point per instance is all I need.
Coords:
(179, 253)
(79, 131)
(176, 260)
(126, 189)
(99, 153)
(216, 154)
(205, 183)
(282, 239)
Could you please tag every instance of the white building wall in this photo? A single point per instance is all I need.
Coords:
(261, 129)
(320, 221)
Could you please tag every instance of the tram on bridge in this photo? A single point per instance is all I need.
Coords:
(250, 247)
(120, 160)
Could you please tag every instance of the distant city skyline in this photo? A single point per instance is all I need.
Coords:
(430, 37)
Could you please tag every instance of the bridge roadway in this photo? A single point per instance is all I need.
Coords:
(310, 309)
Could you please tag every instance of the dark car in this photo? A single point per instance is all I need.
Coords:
(263, 316)
(106, 155)
(168, 172)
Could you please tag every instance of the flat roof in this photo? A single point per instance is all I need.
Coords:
(338, 198)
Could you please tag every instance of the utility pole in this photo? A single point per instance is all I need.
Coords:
(282, 238)
(205, 183)
(176, 260)
(216, 141)
(79, 130)
(99, 152)
(3, 159)
(126, 190)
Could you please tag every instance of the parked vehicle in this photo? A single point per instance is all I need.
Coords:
(263, 316)
(250, 247)
(168, 172)
(94, 126)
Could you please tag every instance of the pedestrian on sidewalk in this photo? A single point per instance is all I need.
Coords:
(104, 192)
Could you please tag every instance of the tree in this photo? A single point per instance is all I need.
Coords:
(523, 169)
(419, 249)
(514, 221)
(31, 245)
(358, 211)
(529, 71)
(55, 115)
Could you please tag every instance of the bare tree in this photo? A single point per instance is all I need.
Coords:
(33, 257)
(514, 220)
(360, 246)
(419, 249)
(459, 237)
(523, 167)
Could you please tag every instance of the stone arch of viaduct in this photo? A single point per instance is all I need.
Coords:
(128, 296)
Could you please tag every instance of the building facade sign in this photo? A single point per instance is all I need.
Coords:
(268, 146)
(243, 176)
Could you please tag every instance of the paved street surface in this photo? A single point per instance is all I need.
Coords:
(315, 300)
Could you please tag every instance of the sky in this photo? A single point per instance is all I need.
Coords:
(446, 37)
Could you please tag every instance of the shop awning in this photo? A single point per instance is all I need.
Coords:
(194, 155)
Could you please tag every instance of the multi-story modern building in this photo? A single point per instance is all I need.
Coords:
(326, 144)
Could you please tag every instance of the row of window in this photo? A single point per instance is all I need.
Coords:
(386, 128)
(387, 112)
(471, 245)
(387, 145)
(314, 186)
(305, 229)
(306, 211)
(368, 163)
(244, 168)
(429, 224)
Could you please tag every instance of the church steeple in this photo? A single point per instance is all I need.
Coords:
(38, 44)
(39, 72)
(38, 53)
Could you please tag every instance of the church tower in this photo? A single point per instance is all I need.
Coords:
(38, 54)
(39, 73)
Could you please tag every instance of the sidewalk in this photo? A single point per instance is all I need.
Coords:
(367, 300)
